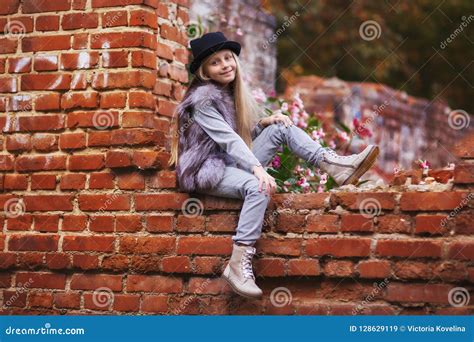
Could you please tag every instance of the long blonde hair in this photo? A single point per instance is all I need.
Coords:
(248, 112)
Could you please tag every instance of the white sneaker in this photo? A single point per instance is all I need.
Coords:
(239, 273)
(348, 169)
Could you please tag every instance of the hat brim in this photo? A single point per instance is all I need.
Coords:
(230, 44)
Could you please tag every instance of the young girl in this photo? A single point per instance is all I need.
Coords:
(224, 140)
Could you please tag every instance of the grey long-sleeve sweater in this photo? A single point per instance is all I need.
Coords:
(219, 130)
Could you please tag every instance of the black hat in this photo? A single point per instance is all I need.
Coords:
(208, 44)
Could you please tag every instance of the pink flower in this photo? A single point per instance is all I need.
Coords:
(276, 163)
(284, 107)
(272, 93)
(298, 100)
(318, 134)
(320, 188)
(332, 144)
(323, 179)
(280, 149)
(424, 164)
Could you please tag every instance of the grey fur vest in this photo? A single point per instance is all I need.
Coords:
(201, 160)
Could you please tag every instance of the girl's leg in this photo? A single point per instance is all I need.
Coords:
(298, 141)
(343, 169)
(237, 183)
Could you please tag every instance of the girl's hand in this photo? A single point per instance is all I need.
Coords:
(264, 177)
(275, 118)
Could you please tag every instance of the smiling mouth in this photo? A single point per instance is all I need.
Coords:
(227, 73)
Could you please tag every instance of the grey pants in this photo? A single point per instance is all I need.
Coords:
(238, 183)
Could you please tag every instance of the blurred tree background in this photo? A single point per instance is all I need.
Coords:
(409, 49)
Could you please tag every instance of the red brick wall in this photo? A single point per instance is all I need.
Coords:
(92, 221)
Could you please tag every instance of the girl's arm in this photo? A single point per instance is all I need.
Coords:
(257, 129)
(219, 130)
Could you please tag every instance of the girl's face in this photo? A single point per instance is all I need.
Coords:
(221, 67)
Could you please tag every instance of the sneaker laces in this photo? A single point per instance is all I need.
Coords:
(334, 154)
(246, 263)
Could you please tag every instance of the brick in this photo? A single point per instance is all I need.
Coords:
(72, 181)
(190, 223)
(143, 18)
(115, 3)
(176, 264)
(126, 303)
(46, 102)
(48, 202)
(85, 162)
(155, 303)
(45, 82)
(270, 267)
(159, 223)
(46, 43)
(85, 262)
(374, 269)
(40, 163)
(141, 99)
(8, 45)
(88, 243)
(123, 80)
(409, 248)
(74, 100)
(461, 250)
(67, 300)
(101, 180)
(287, 246)
(33, 243)
(77, 61)
(128, 223)
(147, 245)
(96, 119)
(159, 284)
(42, 280)
(131, 181)
(303, 267)
(143, 58)
(43, 182)
(356, 222)
(159, 201)
(128, 39)
(40, 299)
(339, 268)
(72, 141)
(95, 281)
(113, 100)
(80, 41)
(464, 173)
(322, 223)
(431, 224)
(104, 202)
(115, 59)
(73, 21)
(114, 19)
(118, 159)
(418, 293)
(339, 247)
(204, 245)
(414, 201)
(47, 23)
(46, 63)
(370, 201)
(8, 85)
(394, 224)
(19, 65)
(34, 6)
(9, 7)
(46, 223)
(18, 143)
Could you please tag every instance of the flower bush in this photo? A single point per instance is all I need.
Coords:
(291, 173)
